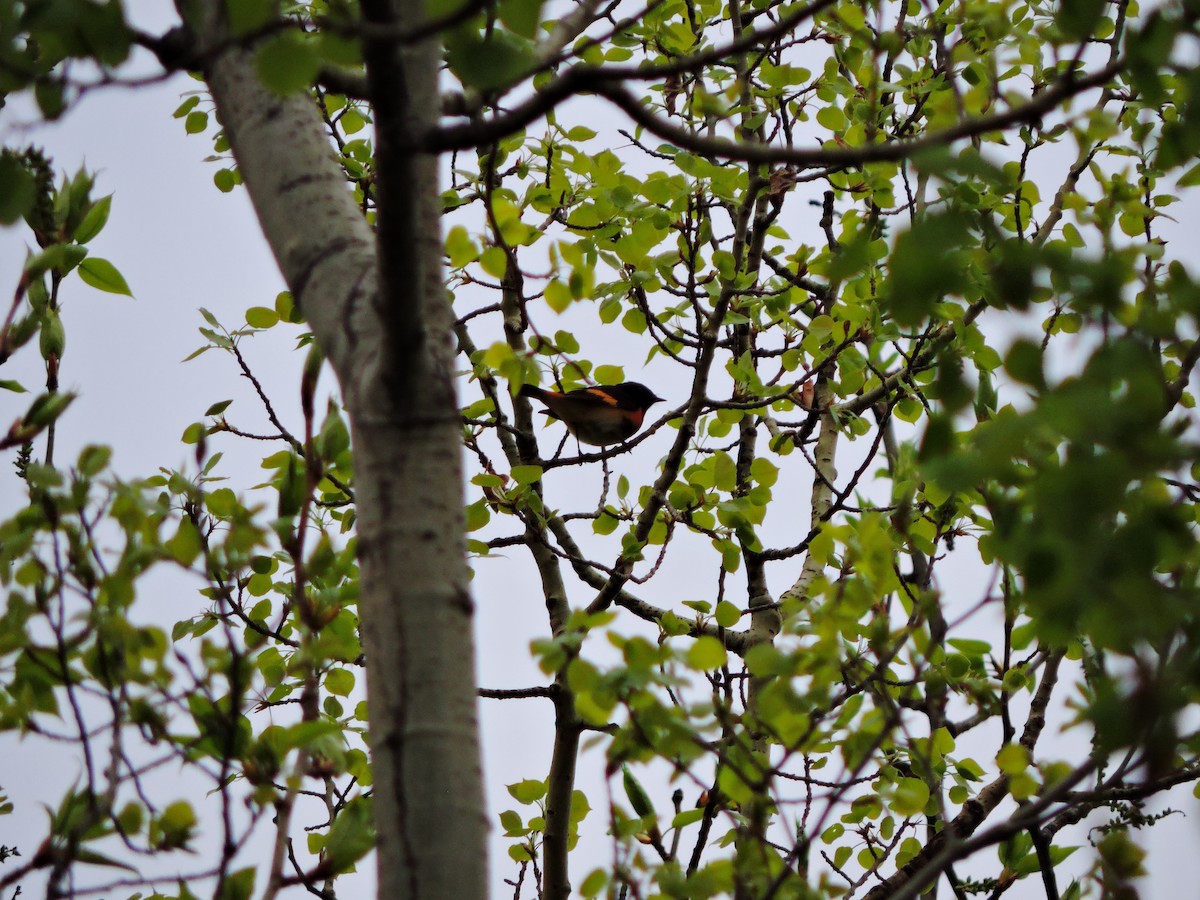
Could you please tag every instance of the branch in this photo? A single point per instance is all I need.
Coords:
(593, 80)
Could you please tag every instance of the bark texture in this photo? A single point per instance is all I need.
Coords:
(379, 310)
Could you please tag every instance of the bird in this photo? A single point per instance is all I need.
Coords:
(600, 415)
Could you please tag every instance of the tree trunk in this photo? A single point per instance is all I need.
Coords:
(381, 314)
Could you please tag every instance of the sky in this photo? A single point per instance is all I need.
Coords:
(183, 245)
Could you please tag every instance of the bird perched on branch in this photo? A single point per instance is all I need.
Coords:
(605, 414)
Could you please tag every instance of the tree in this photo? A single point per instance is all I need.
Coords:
(907, 269)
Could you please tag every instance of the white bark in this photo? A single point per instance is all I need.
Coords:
(390, 347)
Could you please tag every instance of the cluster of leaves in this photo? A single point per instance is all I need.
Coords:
(87, 659)
(1074, 494)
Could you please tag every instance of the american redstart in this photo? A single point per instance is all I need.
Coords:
(600, 415)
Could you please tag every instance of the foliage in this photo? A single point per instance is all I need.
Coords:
(908, 273)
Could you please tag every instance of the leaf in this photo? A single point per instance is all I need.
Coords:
(95, 220)
(727, 614)
(186, 106)
(340, 682)
(638, 798)
(687, 817)
(185, 546)
(1077, 18)
(352, 835)
(1024, 363)
(510, 821)
(287, 63)
(92, 858)
(911, 796)
(238, 886)
(558, 295)
(706, 654)
(103, 275)
(527, 791)
(521, 16)
(244, 16)
(923, 268)
(609, 374)
(526, 474)
(17, 189)
(497, 61)
(460, 248)
(195, 122)
(194, 433)
(594, 883)
(261, 317)
(1012, 759)
(61, 258)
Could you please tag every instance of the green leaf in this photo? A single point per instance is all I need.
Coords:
(609, 374)
(521, 16)
(638, 798)
(1190, 178)
(727, 614)
(1012, 759)
(340, 682)
(460, 248)
(174, 827)
(1077, 18)
(288, 62)
(238, 885)
(527, 791)
(196, 122)
(244, 16)
(519, 853)
(558, 295)
(706, 653)
(1024, 363)
(46, 408)
(487, 63)
(95, 220)
(51, 98)
(687, 817)
(923, 266)
(60, 258)
(605, 523)
(185, 546)
(494, 261)
(911, 796)
(352, 835)
(225, 180)
(52, 339)
(970, 647)
(526, 474)
(261, 317)
(186, 106)
(103, 275)
(17, 189)
(595, 882)
(92, 858)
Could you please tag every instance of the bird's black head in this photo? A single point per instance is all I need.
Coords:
(633, 394)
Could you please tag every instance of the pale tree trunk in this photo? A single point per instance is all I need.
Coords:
(381, 314)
